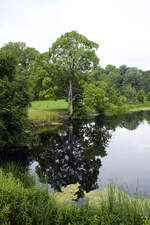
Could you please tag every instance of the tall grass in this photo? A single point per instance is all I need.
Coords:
(32, 205)
(44, 116)
(47, 111)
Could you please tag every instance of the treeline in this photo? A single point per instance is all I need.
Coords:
(110, 84)
(97, 89)
(68, 70)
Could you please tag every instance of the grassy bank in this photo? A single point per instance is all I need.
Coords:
(41, 111)
(22, 202)
(51, 111)
(126, 108)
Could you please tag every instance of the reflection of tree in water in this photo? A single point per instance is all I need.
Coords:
(129, 121)
(21, 158)
(132, 121)
(147, 116)
(72, 156)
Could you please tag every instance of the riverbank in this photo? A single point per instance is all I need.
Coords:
(127, 108)
(53, 113)
(47, 113)
(22, 202)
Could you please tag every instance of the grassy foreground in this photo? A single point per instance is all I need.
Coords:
(21, 202)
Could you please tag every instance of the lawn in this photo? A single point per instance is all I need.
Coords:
(47, 110)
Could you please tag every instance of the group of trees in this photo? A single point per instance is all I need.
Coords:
(14, 94)
(69, 70)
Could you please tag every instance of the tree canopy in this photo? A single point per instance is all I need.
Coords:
(74, 57)
(14, 99)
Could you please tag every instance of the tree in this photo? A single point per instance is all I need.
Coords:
(24, 56)
(110, 68)
(41, 77)
(14, 100)
(95, 96)
(130, 93)
(133, 76)
(74, 57)
(146, 81)
(140, 96)
(24, 61)
(148, 96)
(123, 69)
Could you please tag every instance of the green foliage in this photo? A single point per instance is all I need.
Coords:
(74, 57)
(140, 96)
(130, 93)
(148, 96)
(133, 76)
(18, 172)
(123, 69)
(24, 57)
(110, 68)
(21, 205)
(31, 206)
(14, 100)
(95, 96)
(41, 77)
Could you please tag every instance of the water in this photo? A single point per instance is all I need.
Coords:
(128, 158)
(92, 152)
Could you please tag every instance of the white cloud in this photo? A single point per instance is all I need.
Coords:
(121, 28)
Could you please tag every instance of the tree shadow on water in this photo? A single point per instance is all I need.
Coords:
(72, 155)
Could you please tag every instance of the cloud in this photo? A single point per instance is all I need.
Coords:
(121, 28)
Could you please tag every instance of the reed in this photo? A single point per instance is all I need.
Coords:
(32, 205)
(47, 111)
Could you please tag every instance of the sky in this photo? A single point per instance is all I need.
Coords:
(120, 27)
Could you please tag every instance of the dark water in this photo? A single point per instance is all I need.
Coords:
(92, 152)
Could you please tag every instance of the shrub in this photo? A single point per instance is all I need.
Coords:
(140, 96)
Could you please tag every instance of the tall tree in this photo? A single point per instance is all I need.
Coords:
(14, 100)
(133, 76)
(74, 56)
(25, 57)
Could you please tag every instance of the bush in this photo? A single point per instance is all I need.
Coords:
(148, 96)
(19, 205)
(140, 96)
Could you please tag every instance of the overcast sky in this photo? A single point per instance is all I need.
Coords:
(120, 27)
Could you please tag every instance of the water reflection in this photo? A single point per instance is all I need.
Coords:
(22, 158)
(75, 152)
(72, 155)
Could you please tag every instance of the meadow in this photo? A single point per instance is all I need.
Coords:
(47, 111)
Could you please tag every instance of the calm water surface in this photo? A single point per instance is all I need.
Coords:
(94, 152)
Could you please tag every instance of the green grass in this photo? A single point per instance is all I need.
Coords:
(47, 111)
(127, 108)
(51, 105)
(50, 111)
(31, 205)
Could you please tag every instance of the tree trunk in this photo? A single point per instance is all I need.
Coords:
(70, 99)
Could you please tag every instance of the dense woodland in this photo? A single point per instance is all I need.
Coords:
(69, 70)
